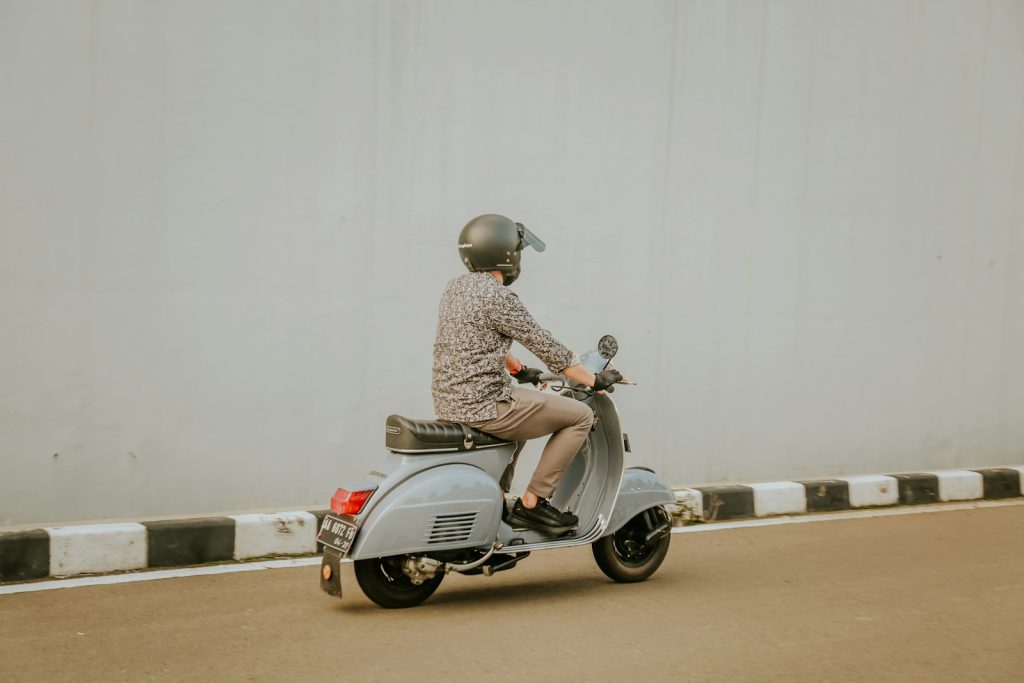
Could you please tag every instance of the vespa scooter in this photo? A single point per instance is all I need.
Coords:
(434, 505)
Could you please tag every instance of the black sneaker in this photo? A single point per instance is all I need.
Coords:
(543, 517)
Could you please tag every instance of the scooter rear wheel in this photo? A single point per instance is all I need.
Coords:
(626, 556)
(384, 582)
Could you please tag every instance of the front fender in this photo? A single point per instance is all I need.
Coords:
(640, 489)
(442, 508)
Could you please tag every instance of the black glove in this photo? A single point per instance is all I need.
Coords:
(525, 374)
(606, 378)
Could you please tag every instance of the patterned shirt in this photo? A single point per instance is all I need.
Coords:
(477, 320)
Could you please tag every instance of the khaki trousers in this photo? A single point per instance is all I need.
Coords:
(531, 414)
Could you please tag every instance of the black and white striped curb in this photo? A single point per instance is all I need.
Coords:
(100, 548)
(739, 501)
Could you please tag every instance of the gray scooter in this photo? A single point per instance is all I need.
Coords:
(435, 505)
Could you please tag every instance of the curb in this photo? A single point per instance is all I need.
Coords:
(744, 501)
(98, 548)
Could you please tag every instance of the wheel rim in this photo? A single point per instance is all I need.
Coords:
(629, 543)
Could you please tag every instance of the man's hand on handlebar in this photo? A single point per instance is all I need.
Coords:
(528, 375)
(606, 378)
(600, 383)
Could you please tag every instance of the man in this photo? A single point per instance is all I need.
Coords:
(478, 319)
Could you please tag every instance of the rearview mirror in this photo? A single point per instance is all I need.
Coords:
(607, 346)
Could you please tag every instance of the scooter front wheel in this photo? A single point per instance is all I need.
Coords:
(627, 556)
(383, 581)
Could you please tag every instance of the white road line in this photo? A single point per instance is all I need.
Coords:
(53, 584)
(852, 514)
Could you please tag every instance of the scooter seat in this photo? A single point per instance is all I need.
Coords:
(405, 435)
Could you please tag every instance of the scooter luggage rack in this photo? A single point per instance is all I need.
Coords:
(595, 533)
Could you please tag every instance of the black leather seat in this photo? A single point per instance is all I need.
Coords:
(405, 435)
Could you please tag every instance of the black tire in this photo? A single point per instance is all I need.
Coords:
(625, 556)
(384, 582)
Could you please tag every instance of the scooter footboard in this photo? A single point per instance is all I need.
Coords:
(640, 489)
(443, 508)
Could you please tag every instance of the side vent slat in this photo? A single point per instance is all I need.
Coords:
(451, 527)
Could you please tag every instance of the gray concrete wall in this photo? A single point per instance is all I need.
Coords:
(225, 227)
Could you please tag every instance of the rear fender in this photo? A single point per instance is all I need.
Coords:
(442, 508)
(640, 489)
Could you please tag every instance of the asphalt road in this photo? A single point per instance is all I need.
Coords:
(936, 596)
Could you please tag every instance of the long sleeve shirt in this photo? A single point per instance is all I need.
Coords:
(477, 320)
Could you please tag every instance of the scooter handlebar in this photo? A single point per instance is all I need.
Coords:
(549, 377)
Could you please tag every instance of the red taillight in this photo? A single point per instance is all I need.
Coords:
(345, 502)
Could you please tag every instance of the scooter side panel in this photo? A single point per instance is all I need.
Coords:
(640, 489)
(442, 508)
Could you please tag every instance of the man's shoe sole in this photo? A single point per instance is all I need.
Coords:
(518, 522)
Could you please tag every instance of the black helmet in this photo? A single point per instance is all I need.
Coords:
(493, 242)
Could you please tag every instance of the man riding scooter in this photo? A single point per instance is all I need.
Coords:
(478, 318)
(434, 503)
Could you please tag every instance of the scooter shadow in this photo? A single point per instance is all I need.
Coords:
(486, 597)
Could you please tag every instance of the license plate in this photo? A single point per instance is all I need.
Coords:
(337, 533)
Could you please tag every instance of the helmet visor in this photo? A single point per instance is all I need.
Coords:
(527, 238)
